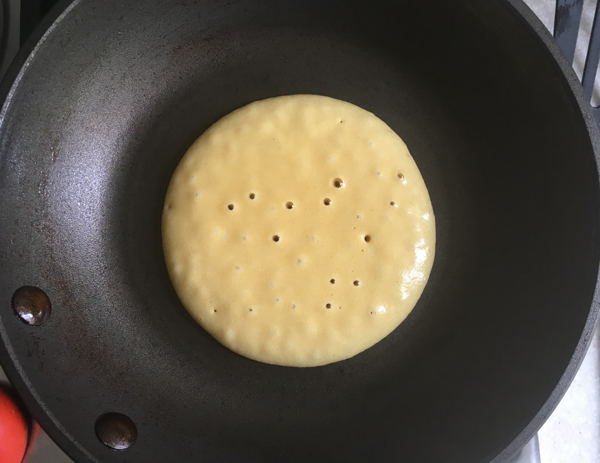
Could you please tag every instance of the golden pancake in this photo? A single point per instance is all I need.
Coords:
(298, 230)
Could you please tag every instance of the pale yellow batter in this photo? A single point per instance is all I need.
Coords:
(298, 230)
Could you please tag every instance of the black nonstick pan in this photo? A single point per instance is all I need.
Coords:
(100, 110)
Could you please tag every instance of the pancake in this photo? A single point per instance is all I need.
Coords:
(298, 230)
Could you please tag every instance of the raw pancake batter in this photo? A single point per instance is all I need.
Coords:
(298, 230)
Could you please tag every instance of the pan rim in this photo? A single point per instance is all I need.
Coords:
(535, 25)
(14, 372)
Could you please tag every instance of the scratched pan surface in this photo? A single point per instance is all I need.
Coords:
(98, 116)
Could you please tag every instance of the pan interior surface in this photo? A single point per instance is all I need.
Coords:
(99, 118)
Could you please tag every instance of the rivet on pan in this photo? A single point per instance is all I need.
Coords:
(31, 305)
(116, 431)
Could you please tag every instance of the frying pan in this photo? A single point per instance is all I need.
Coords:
(100, 110)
